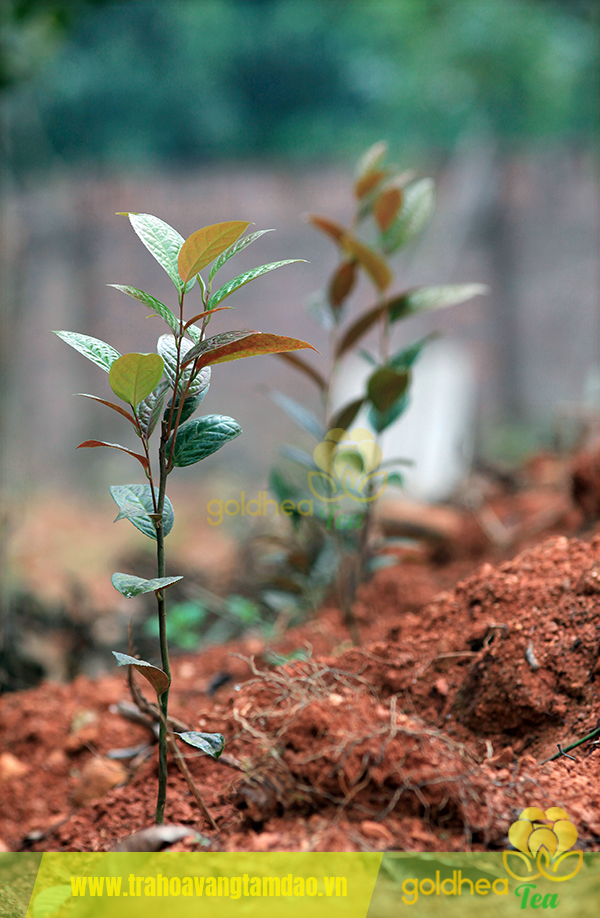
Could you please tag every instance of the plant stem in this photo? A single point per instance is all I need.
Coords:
(164, 648)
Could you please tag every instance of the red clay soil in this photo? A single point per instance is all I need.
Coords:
(431, 735)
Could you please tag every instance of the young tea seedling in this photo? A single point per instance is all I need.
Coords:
(163, 390)
(346, 472)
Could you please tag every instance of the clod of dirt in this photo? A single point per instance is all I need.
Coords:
(585, 482)
(543, 660)
(11, 766)
(98, 776)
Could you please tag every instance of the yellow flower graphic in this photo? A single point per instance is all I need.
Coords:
(349, 464)
(543, 838)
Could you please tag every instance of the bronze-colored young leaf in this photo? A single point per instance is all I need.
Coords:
(386, 206)
(374, 265)
(368, 182)
(235, 345)
(342, 283)
(327, 226)
(103, 401)
(344, 417)
(359, 328)
(157, 678)
(90, 444)
(134, 376)
(203, 315)
(386, 386)
(305, 368)
(206, 244)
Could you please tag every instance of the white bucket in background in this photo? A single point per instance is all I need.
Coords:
(436, 430)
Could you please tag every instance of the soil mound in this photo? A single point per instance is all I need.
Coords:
(431, 737)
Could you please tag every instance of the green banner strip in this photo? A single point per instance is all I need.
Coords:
(297, 885)
(127, 885)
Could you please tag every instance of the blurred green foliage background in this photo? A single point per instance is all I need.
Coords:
(157, 84)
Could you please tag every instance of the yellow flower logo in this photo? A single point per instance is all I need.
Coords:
(544, 839)
(349, 464)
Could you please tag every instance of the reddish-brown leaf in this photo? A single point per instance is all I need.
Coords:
(304, 368)
(386, 206)
(359, 328)
(91, 443)
(202, 315)
(329, 227)
(112, 405)
(368, 182)
(252, 344)
(342, 283)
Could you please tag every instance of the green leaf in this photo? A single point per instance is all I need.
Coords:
(381, 420)
(190, 404)
(135, 504)
(131, 586)
(298, 456)
(99, 352)
(346, 415)
(194, 333)
(282, 487)
(149, 409)
(417, 207)
(425, 299)
(167, 348)
(395, 478)
(201, 437)
(211, 744)
(163, 242)
(206, 244)
(50, 900)
(133, 377)
(157, 677)
(153, 304)
(405, 358)
(234, 249)
(237, 282)
(243, 343)
(386, 386)
(304, 418)
(90, 444)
